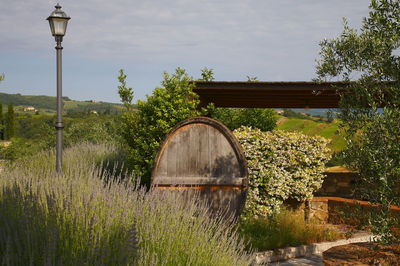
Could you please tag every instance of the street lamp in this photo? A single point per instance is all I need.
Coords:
(58, 21)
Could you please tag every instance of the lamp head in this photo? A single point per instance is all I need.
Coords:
(58, 21)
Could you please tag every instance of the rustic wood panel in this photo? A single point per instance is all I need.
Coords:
(197, 151)
(203, 165)
(170, 158)
(202, 152)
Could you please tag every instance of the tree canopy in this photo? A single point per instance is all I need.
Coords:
(370, 58)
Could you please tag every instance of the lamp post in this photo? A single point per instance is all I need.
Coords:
(58, 21)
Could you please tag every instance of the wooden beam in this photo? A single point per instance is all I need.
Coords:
(270, 94)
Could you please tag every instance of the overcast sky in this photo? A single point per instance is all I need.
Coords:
(268, 39)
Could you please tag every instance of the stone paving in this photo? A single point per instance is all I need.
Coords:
(314, 260)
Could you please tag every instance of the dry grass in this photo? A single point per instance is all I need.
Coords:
(284, 229)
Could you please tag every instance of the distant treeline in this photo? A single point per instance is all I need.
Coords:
(49, 103)
(100, 108)
(46, 102)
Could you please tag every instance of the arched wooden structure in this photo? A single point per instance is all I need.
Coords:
(201, 154)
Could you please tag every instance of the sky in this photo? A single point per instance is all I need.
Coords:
(268, 39)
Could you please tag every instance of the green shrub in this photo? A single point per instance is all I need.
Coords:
(37, 133)
(145, 129)
(284, 229)
(233, 118)
(19, 148)
(78, 219)
(281, 165)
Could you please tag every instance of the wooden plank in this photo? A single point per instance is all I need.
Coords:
(228, 160)
(193, 151)
(182, 155)
(162, 164)
(204, 152)
(238, 181)
(213, 150)
(171, 156)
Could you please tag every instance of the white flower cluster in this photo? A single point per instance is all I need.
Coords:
(281, 165)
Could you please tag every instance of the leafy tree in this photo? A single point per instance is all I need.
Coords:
(369, 58)
(145, 129)
(233, 118)
(92, 129)
(291, 113)
(329, 116)
(207, 74)
(10, 122)
(125, 93)
(2, 77)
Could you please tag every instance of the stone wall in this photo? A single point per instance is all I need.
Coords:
(338, 210)
(339, 182)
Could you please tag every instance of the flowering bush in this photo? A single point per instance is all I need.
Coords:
(281, 165)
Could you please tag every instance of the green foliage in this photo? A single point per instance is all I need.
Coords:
(252, 79)
(36, 132)
(207, 74)
(284, 229)
(9, 130)
(78, 219)
(145, 129)
(314, 127)
(48, 103)
(125, 93)
(281, 165)
(2, 77)
(92, 129)
(233, 118)
(329, 116)
(19, 148)
(375, 153)
(293, 114)
(373, 145)
(80, 109)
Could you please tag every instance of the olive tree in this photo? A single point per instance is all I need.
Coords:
(370, 105)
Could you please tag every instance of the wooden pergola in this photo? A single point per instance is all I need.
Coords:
(302, 94)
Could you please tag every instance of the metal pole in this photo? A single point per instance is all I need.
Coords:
(59, 124)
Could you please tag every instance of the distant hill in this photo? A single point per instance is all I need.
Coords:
(314, 126)
(314, 112)
(48, 103)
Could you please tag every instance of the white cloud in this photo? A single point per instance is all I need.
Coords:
(151, 29)
(273, 40)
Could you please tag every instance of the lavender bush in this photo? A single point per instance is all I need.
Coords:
(79, 219)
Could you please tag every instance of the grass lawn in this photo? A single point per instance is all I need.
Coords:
(314, 127)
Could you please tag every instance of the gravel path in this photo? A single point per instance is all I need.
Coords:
(306, 261)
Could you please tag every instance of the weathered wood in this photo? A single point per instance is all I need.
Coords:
(201, 153)
(177, 181)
